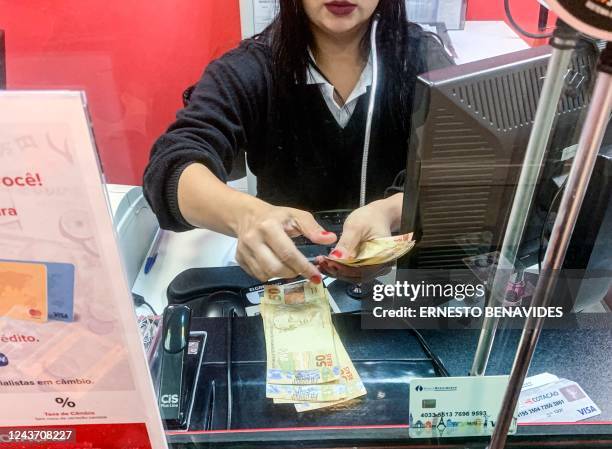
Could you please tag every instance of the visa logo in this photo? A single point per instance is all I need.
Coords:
(586, 410)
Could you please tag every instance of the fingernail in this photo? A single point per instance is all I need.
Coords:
(316, 279)
(336, 254)
(326, 233)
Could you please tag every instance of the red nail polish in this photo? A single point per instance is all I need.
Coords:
(326, 233)
(337, 254)
(315, 279)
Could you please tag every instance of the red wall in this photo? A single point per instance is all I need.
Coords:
(525, 12)
(134, 58)
(485, 9)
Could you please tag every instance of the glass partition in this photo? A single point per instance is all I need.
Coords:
(332, 220)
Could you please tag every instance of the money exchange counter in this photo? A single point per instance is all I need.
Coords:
(222, 372)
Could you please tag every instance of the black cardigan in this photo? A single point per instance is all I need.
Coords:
(317, 167)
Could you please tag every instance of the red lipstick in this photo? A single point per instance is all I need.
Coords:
(340, 7)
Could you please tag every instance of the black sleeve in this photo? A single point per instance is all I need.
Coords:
(223, 114)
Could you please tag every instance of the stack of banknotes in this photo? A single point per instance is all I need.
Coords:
(307, 364)
(379, 251)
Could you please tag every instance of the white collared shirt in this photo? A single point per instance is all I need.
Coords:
(342, 114)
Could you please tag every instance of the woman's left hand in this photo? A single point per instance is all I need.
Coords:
(377, 219)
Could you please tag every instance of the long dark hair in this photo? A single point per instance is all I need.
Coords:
(290, 37)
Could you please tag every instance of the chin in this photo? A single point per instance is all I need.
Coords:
(340, 26)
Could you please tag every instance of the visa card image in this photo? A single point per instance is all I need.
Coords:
(60, 291)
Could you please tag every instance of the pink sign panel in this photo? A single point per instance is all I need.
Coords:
(70, 351)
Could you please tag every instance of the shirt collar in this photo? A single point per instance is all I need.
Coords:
(313, 76)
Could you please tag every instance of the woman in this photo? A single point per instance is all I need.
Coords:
(296, 99)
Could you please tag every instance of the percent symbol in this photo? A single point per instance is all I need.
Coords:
(65, 402)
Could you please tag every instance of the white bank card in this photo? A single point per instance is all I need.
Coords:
(456, 406)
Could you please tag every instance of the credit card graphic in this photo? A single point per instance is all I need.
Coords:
(60, 289)
(60, 286)
(23, 291)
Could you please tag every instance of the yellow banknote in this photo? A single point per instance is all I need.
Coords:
(348, 376)
(300, 345)
(307, 393)
(379, 251)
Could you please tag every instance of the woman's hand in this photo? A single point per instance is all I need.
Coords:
(265, 249)
(377, 219)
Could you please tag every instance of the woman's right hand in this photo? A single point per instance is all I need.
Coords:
(265, 249)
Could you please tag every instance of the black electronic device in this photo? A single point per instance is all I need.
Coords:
(470, 134)
(174, 345)
(199, 283)
(223, 304)
(2, 61)
(332, 221)
(587, 268)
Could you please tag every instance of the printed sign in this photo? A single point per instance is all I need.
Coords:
(70, 352)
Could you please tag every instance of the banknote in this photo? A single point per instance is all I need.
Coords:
(285, 401)
(323, 393)
(300, 345)
(255, 310)
(294, 294)
(348, 376)
(379, 251)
